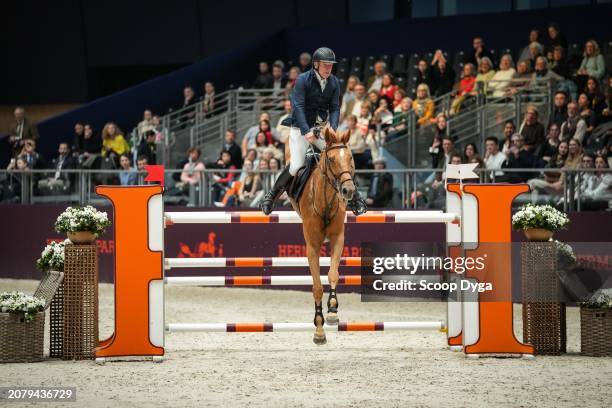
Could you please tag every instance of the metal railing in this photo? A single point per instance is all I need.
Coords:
(413, 188)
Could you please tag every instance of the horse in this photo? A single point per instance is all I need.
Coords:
(322, 207)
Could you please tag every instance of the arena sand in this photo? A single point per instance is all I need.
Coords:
(389, 369)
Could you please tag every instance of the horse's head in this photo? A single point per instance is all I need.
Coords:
(338, 164)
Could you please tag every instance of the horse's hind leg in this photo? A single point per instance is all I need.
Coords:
(336, 243)
(313, 251)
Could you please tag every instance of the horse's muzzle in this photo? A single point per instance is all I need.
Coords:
(347, 192)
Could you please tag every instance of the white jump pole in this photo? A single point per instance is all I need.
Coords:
(302, 327)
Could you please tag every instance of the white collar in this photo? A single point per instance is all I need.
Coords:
(319, 77)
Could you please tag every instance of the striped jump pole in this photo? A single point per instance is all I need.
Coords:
(171, 263)
(302, 327)
(291, 217)
(261, 280)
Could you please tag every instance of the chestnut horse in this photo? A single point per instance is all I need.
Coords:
(322, 207)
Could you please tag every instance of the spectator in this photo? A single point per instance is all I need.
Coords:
(88, 148)
(294, 72)
(559, 112)
(147, 147)
(264, 79)
(559, 63)
(189, 100)
(534, 35)
(465, 89)
(252, 156)
(20, 131)
(423, 74)
(535, 51)
(353, 105)
(485, 74)
(349, 91)
(375, 81)
(574, 126)
(596, 195)
(494, 158)
(279, 80)
(470, 151)
(146, 124)
(363, 121)
(208, 104)
(127, 175)
(587, 114)
(550, 146)
(357, 144)
(305, 61)
(543, 73)
(593, 64)
(250, 186)
(423, 106)
(522, 77)
(606, 113)
(479, 52)
(230, 145)
(388, 88)
(574, 155)
(113, 142)
(157, 125)
(518, 157)
(271, 152)
(440, 157)
(31, 156)
(192, 170)
(373, 99)
(509, 130)
(398, 97)
(555, 38)
(553, 183)
(399, 126)
(248, 141)
(60, 180)
(141, 163)
(597, 100)
(503, 77)
(261, 143)
(532, 130)
(441, 129)
(442, 77)
(380, 191)
(382, 115)
(78, 135)
(284, 130)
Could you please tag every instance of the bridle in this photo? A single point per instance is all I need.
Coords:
(336, 180)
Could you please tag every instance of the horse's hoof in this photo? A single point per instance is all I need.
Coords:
(332, 319)
(319, 340)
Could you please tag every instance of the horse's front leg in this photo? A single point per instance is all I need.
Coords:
(336, 243)
(313, 251)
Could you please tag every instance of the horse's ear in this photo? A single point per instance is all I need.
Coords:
(346, 136)
(330, 136)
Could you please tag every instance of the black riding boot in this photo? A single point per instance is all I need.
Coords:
(357, 204)
(283, 180)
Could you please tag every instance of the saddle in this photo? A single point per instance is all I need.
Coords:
(296, 188)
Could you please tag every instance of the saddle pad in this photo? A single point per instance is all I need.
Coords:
(299, 181)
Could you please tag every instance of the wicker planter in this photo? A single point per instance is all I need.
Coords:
(596, 332)
(538, 234)
(21, 342)
(81, 237)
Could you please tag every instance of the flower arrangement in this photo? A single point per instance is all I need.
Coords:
(77, 219)
(602, 299)
(18, 302)
(545, 217)
(52, 257)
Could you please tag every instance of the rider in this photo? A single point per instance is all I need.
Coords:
(315, 102)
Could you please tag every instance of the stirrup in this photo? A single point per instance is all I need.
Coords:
(319, 313)
(332, 295)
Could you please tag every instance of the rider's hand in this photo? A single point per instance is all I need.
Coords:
(311, 137)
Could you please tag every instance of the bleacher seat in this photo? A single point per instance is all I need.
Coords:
(356, 64)
(400, 81)
(399, 65)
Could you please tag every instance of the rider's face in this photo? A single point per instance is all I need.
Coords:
(325, 69)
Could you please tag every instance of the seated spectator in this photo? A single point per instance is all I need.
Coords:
(465, 88)
(442, 77)
(141, 163)
(78, 135)
(382, 115)
(552, 183)
(189, 100)
(146, 124)
(32, 158)
(559, 64)
(157, 126)
(597, 193)
(294, 72)
(574, 126)
(597, 100)
(208, 104)
(554, 38)
(550, 146)
(88, 148)
(191, 174)
(470, 151)
(113, 142)
(250, 186)
(494, 158)
(264, 79)
(375, 80)
(248, 141)
(252, 156)
(606, 113)
(127, 175)
(535, 51)
(261, 143)
(230, 145)
(587, 114)
(525, 54)
(357, 144)
(353, 105)
(423, 106)
(543, 73)
(279, 80)
(399, 126)
(442, 130)
(388, 88)
(509, 130)
(349, 92)
(518, 157)
(373, 99)
(423, 74)
(441, 151)
(21, 129)
(559, 112)
(479, 51)
(398, 97)
(574, 155)
(10, 190)
(363, 121)
(305, 61)
(271, 152)
(593, 64)
(438, 183)
(60, 181)
(147, 147)
(522, 77)
(223, 180)
(532, 131)
(485, 74)
(380, 192)
(500, 82)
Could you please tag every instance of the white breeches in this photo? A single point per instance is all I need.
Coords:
(298, 146)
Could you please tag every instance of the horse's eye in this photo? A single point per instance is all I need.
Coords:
(332, 159)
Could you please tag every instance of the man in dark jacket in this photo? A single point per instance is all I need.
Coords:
(60, 180)
(315, 101)
(380, 192)
(148, 148)
(518, 157)
(233, 148)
